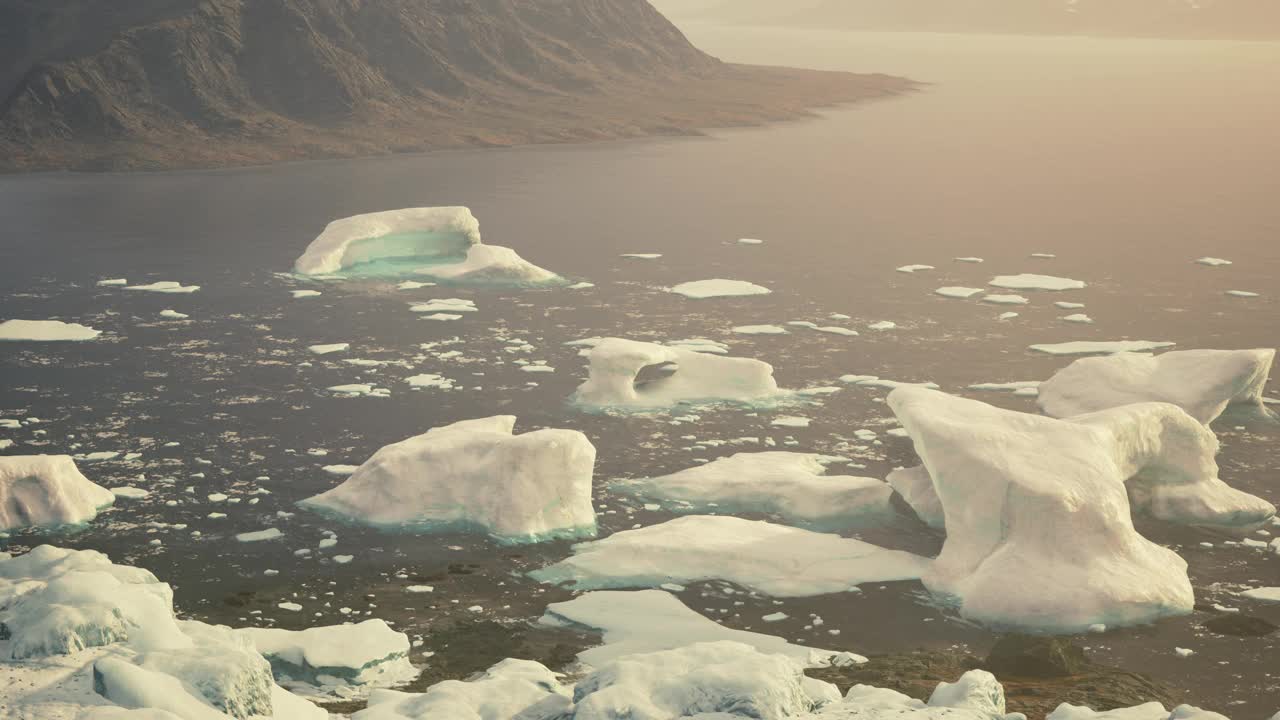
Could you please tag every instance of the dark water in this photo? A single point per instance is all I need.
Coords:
(1126, 160)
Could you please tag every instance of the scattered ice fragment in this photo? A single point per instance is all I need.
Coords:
(45, 331)
(914, 268)
(165, 286)
(969, 259)
(430, 380)
(173, 315)
(775, 617)
(442, 316)
(113, 282)
(1006, 387)
(1068, 305)
(517, 488)
(1184, 652)
(298, 294)
(1044, 256)
(1265, 594)
(259, 536)
(129, 492)
(413, 285)
(750, 241)
(642, 256)
(877, 382)
(360, 389)
(883, 325)
(702, 289)
(290, 606)
(420, 589)
(790, 421)
(330, 348)
(1213, 261)
(581, 286)
(958, 292)
(537, 368)
(1107, 347)
(1031, 281)
(1242, 294)
(343, 559)
(1005, 300)
(1078, 318)
(1007, 316)
(444, 305)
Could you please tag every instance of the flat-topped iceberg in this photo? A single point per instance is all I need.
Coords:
(774, 559)
(1202, 382)
(369, 653)
(795, 486)
(474, 475)
(718, 287)
(632, 374)
(437, 242)
(510, 690)
(46, 331)
(47, 490)
(642, 621)
(1038, 511)
(1032, 281)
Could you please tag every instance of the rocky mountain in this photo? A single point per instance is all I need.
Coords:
(166, 83)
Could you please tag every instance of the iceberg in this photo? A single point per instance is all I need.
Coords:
(1205, 383)
(1005, 300)
(644, 621)
(1048, 502)
(510, 690)
(474, 475)
(794, 486)
(442, 243)
(45, 331)
(961, 293)
(1148, 711)
(368, 654)
(1031, 281)
(631, 374)
(703, 289)
(47, 490)
(774, 559)
(1105, 347)
(165, 286)
(914, 268)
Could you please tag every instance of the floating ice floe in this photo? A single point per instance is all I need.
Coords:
(340, 469)
(642, 256)
(1265, 594)
(790, 421)
(1202, 382)
(643, 621)
(430, 380)
(1044, 256)
(359, 390)
(703, 289)
(883, 325)
(750, 241)
(173, 315)
(72, 613)
(760, 330)
(330, 348)
(1103, 347)
(444, 305)
(914, 268)
(702, 345)
(878, 382)
(260, 535)
(1147, 711)
(1005, 299)
(1049, 502)
(1007, 316)
(1078, 318)
(299, 294)
(1213, 261)
(368, 654)
(45, 491)
(794, 486)
(631, 374)
(45, 331)
(1068, 305)
(1242, 294)
(438, 242)
(511, 689)
(474, 475)
(969, 259)
(164, 286)
(112, 282)
(581, 286)
(962, 293)
(129, 492)
(755, 554)
(1031, 281)
(414, 285)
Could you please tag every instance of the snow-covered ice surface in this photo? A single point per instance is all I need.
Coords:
(47, 490)
(703, 289)
(773, 559)
(643, 621)
(46, 331)
(442, 243)
(631, 374)
(1031, 281)
(474, 474)
(1205, 383)
(1048, 501)
(794, 486)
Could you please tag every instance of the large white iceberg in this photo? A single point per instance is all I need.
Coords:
(642, 621)
(793, 485)
(1038, 511)
(474, 474)
(632, 374)
(438, 242)
(369, 653)
(45, 490)
(774, 559)
(46, 331)
(1202, 382)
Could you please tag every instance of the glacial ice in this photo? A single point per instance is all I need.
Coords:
(775, 559)
(1031, 281)
(45, 331)
(795, 486)
(510, 690)
(1202, 382)
(643, 621)
(437, 242)
(47, 490)
(703, 289)
(631, 374)
(958, 292)
(1048, 501)
(1148, 711)
(369, 653)
(1105, 347)
(477, 475)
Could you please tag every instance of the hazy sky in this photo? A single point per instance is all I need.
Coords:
(1181, 18)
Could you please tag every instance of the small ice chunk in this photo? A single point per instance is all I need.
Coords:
(775, 617)
(414, 285)
(642, 256)
(760, 330)
(1265, 594)
(1106, 347)
(1006, 387)
(952, 291)
(1044, 256)
(914, 268)
(1006, 300)
(299, 294)
(626, 373)
(1007, 316)
(883, 325)
(969, 259)
(1242, 294)
(1031, 281)
(702, 289)
(750, 241)
(129, 492)
(173, 315)
(1213, 261)
(330, 348)
(1078, 318)
(1068, 305)
(112, 282)
(164, 286)
(581, 286)
(791, 421)
(260, 535)
(290, 606)
(444, 305)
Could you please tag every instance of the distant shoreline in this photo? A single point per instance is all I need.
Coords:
(733, 96)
